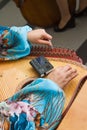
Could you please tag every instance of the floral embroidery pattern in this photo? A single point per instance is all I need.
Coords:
(37, 105)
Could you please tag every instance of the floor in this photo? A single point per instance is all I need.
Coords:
(74, 39)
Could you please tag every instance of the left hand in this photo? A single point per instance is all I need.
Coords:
(39, 36)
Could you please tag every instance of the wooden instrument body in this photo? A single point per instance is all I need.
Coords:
(76, 117)
(43, 13)
(16, 74)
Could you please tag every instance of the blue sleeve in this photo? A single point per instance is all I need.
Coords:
(48, 97)
(43, 97)
(17, 41)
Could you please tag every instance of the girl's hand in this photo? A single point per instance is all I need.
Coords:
(40, 36)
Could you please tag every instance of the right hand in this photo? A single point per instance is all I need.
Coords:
(62, 75)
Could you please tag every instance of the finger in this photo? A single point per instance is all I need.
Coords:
(71, 71)
(46, 42)
(67, 68)
(51, 44)
(71, 75)
(47, 36)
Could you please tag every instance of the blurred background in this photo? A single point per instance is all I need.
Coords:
(74, 39)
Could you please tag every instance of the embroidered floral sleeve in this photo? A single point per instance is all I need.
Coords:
(14, 43)
(37, 105)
